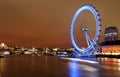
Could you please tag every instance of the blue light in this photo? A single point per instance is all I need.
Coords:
(73, 70)
(98, 24)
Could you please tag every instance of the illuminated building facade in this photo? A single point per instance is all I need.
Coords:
(111, 44)
(111, 50)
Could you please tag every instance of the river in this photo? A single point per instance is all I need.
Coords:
(53, 66)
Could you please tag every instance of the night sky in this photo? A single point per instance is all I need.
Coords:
(46, 23)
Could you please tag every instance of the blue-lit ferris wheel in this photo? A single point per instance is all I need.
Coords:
(90, 43)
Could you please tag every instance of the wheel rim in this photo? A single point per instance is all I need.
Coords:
(98, 24)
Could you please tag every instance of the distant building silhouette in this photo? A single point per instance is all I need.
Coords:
(111, 34)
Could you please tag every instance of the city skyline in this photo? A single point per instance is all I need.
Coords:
(46, 23)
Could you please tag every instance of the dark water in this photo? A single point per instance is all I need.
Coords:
(52, 66)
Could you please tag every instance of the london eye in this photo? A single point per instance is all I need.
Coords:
(91, 42)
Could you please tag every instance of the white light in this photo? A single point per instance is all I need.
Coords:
(2, 44)
(81, 60)
(6, 53)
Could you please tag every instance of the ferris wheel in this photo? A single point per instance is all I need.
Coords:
(90, 42)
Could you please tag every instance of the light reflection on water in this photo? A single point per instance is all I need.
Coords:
(79, 70)
(73, 69)
(119, 64)
(2, 65)
(110, 63)
(47, 66)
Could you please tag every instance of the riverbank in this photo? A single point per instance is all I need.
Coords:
(109, 56)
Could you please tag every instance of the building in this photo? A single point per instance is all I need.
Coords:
(111, 44)
(111, 34)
